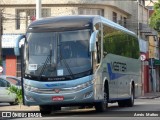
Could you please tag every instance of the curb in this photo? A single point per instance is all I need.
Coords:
(148, 97)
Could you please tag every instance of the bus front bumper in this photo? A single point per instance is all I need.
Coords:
(80, 97)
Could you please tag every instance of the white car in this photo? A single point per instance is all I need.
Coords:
(5, 97)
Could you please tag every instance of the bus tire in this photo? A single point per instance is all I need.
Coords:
(56, 108)
(102, 106)
(45, 109)
(130, 102)
(121, 103)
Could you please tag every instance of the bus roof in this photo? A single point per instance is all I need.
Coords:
(116, 26)
(61, 22)
(76, 21)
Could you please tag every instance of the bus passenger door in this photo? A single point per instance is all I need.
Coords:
(113, 82)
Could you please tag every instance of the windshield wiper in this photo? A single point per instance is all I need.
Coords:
(44, 66)
(49, 58)
(66, 64)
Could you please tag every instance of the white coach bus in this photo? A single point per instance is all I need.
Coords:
(79, 61)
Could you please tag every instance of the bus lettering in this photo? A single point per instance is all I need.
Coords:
(118, 66)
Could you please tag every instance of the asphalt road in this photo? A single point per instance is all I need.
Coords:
(144, 109)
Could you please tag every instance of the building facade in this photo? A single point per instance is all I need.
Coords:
(154, 49)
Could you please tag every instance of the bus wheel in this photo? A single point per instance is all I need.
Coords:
(121, 103)
(56, 108)
(102, 106)
(130, 102)
(45, 109)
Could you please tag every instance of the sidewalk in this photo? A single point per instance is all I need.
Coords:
(150, 95)
(18, 108)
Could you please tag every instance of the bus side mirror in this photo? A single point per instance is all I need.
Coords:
(17, 48)
(93, 41)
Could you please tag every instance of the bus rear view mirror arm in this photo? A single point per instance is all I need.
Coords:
(17, 48)
(93, 41)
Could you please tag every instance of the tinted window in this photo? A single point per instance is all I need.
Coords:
(56, 54)
(98, 42)
(14, 81)
(119, 43)
(37, 46)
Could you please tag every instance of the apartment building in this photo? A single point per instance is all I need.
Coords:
(153, 53)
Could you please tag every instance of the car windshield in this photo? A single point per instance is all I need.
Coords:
(13, 80)
(53, 54)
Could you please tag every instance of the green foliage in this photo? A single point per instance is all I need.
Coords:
(155, 18)
(0, 62)
(17, 91)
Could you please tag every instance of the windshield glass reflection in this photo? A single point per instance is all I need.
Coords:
(58, 54)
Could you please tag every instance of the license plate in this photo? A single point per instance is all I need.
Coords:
(58, 98)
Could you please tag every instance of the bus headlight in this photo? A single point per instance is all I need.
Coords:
(30, 88)
(84, 85)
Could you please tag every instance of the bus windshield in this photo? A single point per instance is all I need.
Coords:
(57, 54)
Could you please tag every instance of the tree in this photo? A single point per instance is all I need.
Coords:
(155, 18)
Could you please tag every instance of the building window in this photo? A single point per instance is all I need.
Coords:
(115, 17)
(125, 22)
(150, 7)
(26, 15)
(120, 21)
(142, 2)
(121, 18)
(18, 67)
(89, 11)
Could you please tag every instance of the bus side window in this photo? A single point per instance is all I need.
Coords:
(98, 45)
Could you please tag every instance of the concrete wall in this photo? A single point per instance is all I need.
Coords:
(153, 47)
(143, 14)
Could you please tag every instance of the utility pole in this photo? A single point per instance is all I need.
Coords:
(1, 33)
(138, 19)
(38, 9)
